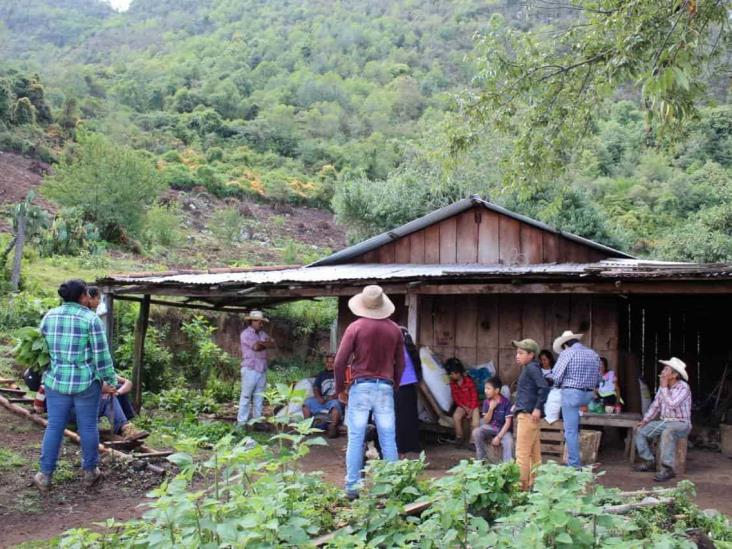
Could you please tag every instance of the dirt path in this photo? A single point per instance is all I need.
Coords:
(711, 472)
(26, 516)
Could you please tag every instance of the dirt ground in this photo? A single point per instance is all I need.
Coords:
(25, 515)
(711, 472)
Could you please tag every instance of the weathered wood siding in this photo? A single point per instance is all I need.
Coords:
(480, 329)
(480, 235)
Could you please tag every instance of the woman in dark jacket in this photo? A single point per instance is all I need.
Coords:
(407, 419)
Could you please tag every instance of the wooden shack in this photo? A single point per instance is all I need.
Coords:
(469, 278)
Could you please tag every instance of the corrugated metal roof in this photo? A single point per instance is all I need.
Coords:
(444, 213)
(608, 269)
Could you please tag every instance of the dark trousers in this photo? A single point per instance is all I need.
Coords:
(407, 419)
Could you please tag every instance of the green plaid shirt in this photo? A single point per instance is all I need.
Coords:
(78, 348)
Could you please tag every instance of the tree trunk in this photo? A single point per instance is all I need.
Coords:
(19, 242)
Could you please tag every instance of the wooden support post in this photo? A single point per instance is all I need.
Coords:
(413, 316)
(138, 352)
(109, 317)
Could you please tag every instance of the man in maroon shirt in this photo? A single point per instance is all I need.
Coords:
(374, 347)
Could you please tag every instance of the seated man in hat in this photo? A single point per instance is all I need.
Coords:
(669, 418)
(325, 398)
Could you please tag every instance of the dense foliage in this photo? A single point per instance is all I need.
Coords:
(603, 118)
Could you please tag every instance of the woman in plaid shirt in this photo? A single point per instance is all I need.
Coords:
(80, 366)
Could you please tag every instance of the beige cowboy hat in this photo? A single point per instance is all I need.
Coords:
(567, 335)
(372, 302)
(256, 315)
(678, 365)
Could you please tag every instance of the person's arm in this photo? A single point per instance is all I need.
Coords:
(673, 398)
(318, 389)
(473, 402)
(126, 385)
(488, 416)
(345, 350)
(506, 427)
(542, 391)
(399, 361)
(101, 357)
(653, 411)
(560, 369)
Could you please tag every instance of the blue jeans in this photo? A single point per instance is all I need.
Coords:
(316, 407)
(253, 384)
(111, 409)
(669, 431)
(59, 407)
(364, 398)
(572, 399)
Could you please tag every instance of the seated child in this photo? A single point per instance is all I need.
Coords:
(325, 399)
(495, 426)
(465, 397)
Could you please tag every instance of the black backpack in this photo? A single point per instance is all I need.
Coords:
(32, 379)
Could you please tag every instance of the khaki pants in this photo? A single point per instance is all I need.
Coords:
(528, 448)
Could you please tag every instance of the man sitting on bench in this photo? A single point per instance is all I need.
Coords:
(672, 407)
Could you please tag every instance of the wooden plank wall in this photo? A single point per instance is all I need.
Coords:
(480, 235)
(688, 327)
(479, 329)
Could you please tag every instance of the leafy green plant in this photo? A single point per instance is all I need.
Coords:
(70, 235)
(227, 225)
(31, 349)
(162, 226)
(205, 357)
(23, 309)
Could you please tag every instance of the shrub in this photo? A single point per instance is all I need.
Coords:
(178, 176)
(23, 309)
(70, 235)
(162, 226)
(113, 185)
(227, 225)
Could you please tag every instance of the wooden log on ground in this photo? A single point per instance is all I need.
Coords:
(628, 507)
(22, 400)
(152, 455)
(12, 391)
(6, 381)
(122, 443)
(67, 433)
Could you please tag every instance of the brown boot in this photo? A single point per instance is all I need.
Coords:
(645, 466)
(42, 482)
(130, 432)
(91, 478)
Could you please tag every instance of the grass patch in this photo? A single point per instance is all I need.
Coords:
(65, 472)
(29, 503)
(9, 460)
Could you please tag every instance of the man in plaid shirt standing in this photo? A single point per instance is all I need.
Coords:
(80, 370)
(577, 373)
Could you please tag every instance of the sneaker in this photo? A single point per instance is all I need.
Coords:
(91, 478)
(666, 473)
(645, 466)
(130, 432)
(42, 482)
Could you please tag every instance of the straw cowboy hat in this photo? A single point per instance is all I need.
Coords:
(372, 302)
(562, 339)
(256, 315)
(678, 365)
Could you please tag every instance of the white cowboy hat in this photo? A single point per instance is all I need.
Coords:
(372, 302)
(562, 339)
(678, 365)
(256, 315)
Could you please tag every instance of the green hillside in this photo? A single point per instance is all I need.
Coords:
(350, 105)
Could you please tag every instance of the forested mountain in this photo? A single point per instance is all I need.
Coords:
(350, 104)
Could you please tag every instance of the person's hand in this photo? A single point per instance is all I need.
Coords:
(496, 440)
(536, 415)
(641, 423)
(321, 400)
(343, 397)
(492, 404)
(468, 410)
(108, 389)
(663, 379)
